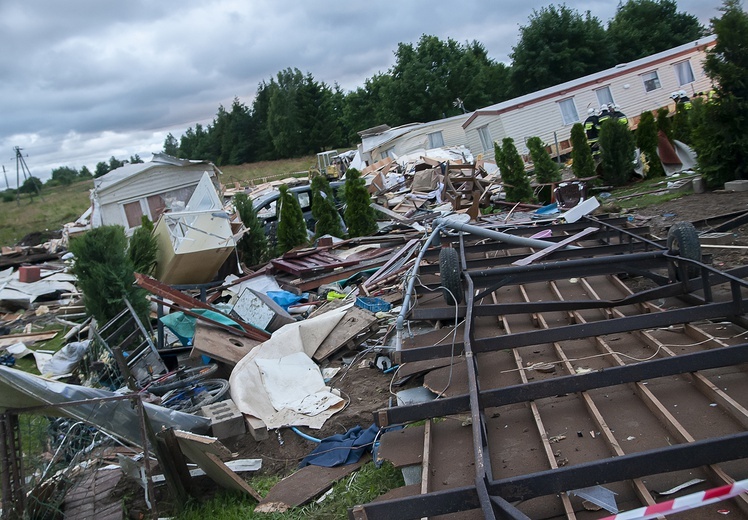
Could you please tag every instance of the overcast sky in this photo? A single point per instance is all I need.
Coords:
(83, 80)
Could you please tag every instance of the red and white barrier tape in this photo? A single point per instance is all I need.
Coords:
(684, 503)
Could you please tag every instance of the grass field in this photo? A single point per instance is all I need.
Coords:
(62, 204)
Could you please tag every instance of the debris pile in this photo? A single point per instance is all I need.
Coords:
(240, 356)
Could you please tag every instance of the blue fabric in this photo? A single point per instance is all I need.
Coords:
(343, 448)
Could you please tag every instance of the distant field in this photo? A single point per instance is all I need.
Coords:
(64, 204)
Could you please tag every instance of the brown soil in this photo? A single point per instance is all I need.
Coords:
(697, 207)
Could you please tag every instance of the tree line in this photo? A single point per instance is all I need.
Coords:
(293, 114)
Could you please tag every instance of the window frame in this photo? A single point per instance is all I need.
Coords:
(563, 102)
(606, 88)
(677, 66)
(646, 81)
(484, 134)
(436, 139)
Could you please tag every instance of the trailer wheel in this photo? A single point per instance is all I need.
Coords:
(683, 240)
(449, 269)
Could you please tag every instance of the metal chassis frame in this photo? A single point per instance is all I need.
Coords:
(494, 496)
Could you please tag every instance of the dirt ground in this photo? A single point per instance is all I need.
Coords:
(695, 207)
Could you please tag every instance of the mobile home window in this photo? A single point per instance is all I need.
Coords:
(651, 81)
(134, 213)
(684, 73)
(436, 140)
(604, 97)
(568, 111)
(389, 152)
(485, 138)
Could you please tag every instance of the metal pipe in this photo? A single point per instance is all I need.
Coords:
(496, 235)
(411, 283)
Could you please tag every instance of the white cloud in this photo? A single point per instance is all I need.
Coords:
(84, 80)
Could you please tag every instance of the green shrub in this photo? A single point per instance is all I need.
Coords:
(359, 215)
(253, 247)
(583, 165)
(291, 224)
(719, 126)
(105, 273)
(617, 150)
(323, 209)
(142, 249)
(512, 169)
(546, 171)
(664, 122)
(647, 141)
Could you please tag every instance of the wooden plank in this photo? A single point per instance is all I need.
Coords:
(554, 247)
(304, 485)
(221, 345)
(204, 451)
(12, 339)
(354, 322)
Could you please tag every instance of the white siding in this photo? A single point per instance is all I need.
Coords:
(451, 129)
(154, 180)
(542, 117)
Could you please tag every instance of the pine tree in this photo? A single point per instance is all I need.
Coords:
(617, 149)
(105, 274)
(253, 246)
(323, 209)
(719, 126)
(546, 171)
(142, 248)
(646, 140)
(583, 165)
(517, 185)
(682, 124)
(291, 224)
(359, 215)
(664, 123)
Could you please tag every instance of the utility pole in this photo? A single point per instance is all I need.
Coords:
(7, 186)
(22, 167)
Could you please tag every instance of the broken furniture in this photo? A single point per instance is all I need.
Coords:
(131, 345)
(464, 186)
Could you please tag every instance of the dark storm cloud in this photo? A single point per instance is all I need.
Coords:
(84, 80)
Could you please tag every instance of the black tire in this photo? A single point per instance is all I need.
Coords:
(181, 378)
(190, 399)
(449, 269)
(683, 241)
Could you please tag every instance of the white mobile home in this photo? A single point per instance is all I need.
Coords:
(636, 87)
(123, 196)
(394, 142)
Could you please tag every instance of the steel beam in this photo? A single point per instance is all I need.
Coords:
(703, 360)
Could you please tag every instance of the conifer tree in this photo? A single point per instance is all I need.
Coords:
(105, 274)
(617, 149)
(583, 165)
(359, 215)
(291, 224)
(546, 171)
(719, 136)
(664, 123)
(323, 209)
(646, 140)
(682, 124)
(517, 185)
(142, 248)
(253, 246)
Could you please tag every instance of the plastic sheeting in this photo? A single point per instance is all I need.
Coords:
(118, 418)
